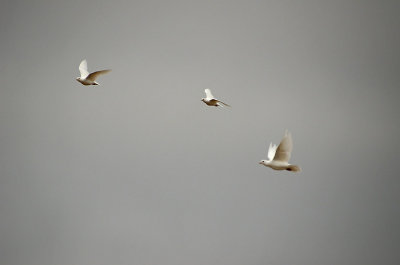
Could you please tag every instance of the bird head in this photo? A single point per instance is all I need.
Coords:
(203, 99)
(262, 162)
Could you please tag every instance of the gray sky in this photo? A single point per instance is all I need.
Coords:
(140, 171)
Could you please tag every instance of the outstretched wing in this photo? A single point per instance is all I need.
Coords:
(271, 151)
(224, 103)
(208, 93)
(94, 75)
(284, 149)
(83, 69)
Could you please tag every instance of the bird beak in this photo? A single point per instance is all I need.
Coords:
(260, 162)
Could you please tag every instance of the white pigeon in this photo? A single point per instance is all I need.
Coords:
(211, 101)
(278, 157)
(86, 78)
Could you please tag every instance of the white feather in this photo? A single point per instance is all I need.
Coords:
(284, 149)
(208, 93)
(271, 151)
(83, 69)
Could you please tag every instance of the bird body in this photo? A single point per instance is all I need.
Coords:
(86, 78)
(278, 157)
(280, 165)
(87, 82)
(211, 101)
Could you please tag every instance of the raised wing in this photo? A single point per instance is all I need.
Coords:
(208, 93)
(271, 151)
(94, 75)
(284, 149)
(83, 69)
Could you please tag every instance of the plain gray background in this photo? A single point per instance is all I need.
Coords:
(139, 171)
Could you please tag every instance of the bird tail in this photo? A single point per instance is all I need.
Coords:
(293, 168)
(223, 104)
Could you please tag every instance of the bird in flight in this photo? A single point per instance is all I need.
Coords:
(211, 101)
(86, 78)
(278, 157)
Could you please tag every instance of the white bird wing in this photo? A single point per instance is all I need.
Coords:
(208, 93)
(83, 69)
(271, 151)
(94, 75)
(284, 149)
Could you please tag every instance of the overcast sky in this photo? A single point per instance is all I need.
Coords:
(139, 171)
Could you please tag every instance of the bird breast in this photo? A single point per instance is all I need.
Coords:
(85, 82)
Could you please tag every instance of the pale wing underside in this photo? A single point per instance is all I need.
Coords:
(271, 151)
(94, 75)
(208, 93)
(284, 149)
(83, 69)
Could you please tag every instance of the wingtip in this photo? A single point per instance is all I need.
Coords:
(287, 133)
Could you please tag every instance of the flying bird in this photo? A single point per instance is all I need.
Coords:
(278, 157)
(211, 101)
(86, 78)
